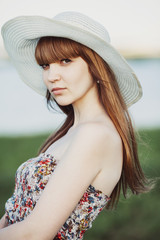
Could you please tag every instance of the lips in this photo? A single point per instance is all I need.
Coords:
(56, 89)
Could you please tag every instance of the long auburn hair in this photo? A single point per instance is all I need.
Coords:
(53, 49)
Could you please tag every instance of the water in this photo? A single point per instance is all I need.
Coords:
(23, 111)
(146, 112)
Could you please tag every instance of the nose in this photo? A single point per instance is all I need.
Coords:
(54, 72)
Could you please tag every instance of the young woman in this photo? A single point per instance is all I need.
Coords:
(82, 167)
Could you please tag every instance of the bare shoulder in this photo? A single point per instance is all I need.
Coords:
(99, 140)
(105, 144)
(99, 134)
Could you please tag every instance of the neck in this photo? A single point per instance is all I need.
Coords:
(87, 109)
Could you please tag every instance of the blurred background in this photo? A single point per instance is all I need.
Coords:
(25, 122)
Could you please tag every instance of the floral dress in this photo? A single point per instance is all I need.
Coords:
(30, 180)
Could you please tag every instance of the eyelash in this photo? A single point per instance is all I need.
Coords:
(46, 65)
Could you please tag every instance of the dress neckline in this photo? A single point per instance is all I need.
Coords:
(49, 155)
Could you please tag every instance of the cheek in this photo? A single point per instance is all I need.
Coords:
(81, 86)
(80, 76)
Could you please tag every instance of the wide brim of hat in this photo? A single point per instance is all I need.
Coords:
(21, 35)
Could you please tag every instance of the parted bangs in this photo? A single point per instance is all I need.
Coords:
(54, 49)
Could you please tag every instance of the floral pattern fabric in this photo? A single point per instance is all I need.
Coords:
(30, 180)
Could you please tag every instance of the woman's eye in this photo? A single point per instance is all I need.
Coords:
(44, 66)
(66, 60)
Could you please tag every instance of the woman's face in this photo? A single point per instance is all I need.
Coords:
(68, 81)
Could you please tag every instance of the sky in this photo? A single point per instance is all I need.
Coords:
(133, 25)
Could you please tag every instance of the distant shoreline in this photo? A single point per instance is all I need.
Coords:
(35, 117)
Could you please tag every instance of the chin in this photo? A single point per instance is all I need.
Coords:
(64, 103)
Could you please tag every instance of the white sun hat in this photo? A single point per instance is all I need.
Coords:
(21, 35)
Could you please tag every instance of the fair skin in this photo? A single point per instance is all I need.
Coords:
(90, 153)
(3, 222)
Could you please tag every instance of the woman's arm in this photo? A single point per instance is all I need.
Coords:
(3, 222)
(77, 169)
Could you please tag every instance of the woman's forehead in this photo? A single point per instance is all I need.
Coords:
(53, 49)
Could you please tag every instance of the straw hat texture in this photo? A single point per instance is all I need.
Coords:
(22, 33)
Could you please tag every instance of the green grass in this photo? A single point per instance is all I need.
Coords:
(136, 218)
